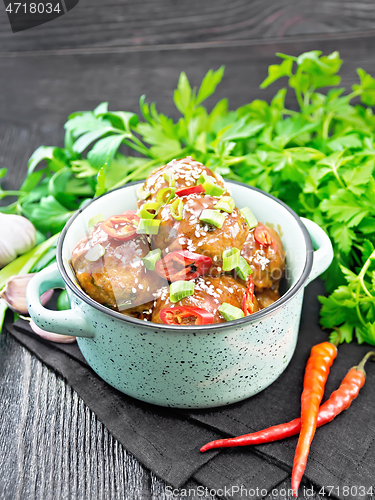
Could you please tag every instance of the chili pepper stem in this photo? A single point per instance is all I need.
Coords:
(361, 366)
(336, 342)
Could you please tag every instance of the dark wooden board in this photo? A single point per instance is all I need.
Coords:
(45, 88)
(98, 23)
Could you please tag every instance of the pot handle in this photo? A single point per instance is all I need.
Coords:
(323, 254)
(69, 322)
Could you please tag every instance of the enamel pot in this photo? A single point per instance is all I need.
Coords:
(186, 366)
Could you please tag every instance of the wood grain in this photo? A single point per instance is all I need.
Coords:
(59, 84)
(115, 23)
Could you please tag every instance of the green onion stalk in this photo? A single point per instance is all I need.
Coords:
(23, 265)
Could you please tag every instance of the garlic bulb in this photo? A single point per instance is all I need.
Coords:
(14, 293)
(17, 236)
(53, 337)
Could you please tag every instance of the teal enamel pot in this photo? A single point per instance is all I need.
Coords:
(187, 366)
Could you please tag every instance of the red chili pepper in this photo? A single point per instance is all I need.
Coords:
(339, 401)
(185, 191)
(262, 235)
(247, 303)
(186, 315)
(183, 265)
(316, 373)
(121, 227)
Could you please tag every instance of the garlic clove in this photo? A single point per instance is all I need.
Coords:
(18, 235)
(14, 293)
(53, 337)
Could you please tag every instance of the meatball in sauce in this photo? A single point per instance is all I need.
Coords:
(266, 261)
(209, 294)
(191, 234)
(118, 278)
(180, 173)
(188, 256)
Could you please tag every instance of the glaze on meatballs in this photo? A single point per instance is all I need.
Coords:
(209, 294)
(118, 278)
(185, 223)
(190, 233)
(185, 172)
(267, 261)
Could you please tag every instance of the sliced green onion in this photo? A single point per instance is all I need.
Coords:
(148, 226)
(229, 312)
(142, 194)
(226, 204)
(165, 195)
(224, 207)
(204, 177)
(213, 189)
(213, 217)
(180, 289)
(169, 177)
(231, 259)
(151, 259)
(149, 210)
(95, 253)
(250, 217)
(94, 220)
(177, 209)
(210, 185)
(243, 270)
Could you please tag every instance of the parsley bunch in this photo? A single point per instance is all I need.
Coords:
(318, 158)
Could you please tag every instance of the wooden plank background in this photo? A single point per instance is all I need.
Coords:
(114, 51)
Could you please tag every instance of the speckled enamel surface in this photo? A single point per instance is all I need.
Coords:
(191, 370)
(205, 367)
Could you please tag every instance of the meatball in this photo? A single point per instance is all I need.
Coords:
(209, 294)
(118, 278)
(267, 261)
(191, 234)
(186, 172)
(267, 297)
(143, 311)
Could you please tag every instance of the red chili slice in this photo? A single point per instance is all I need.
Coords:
(247, 303)
(183, 265)
(187, 315)
(262, 235)
(190, 190)
(122, 227)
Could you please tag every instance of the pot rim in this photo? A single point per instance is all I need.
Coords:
(288, 295)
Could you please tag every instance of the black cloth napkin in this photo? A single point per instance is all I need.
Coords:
(167, 441)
